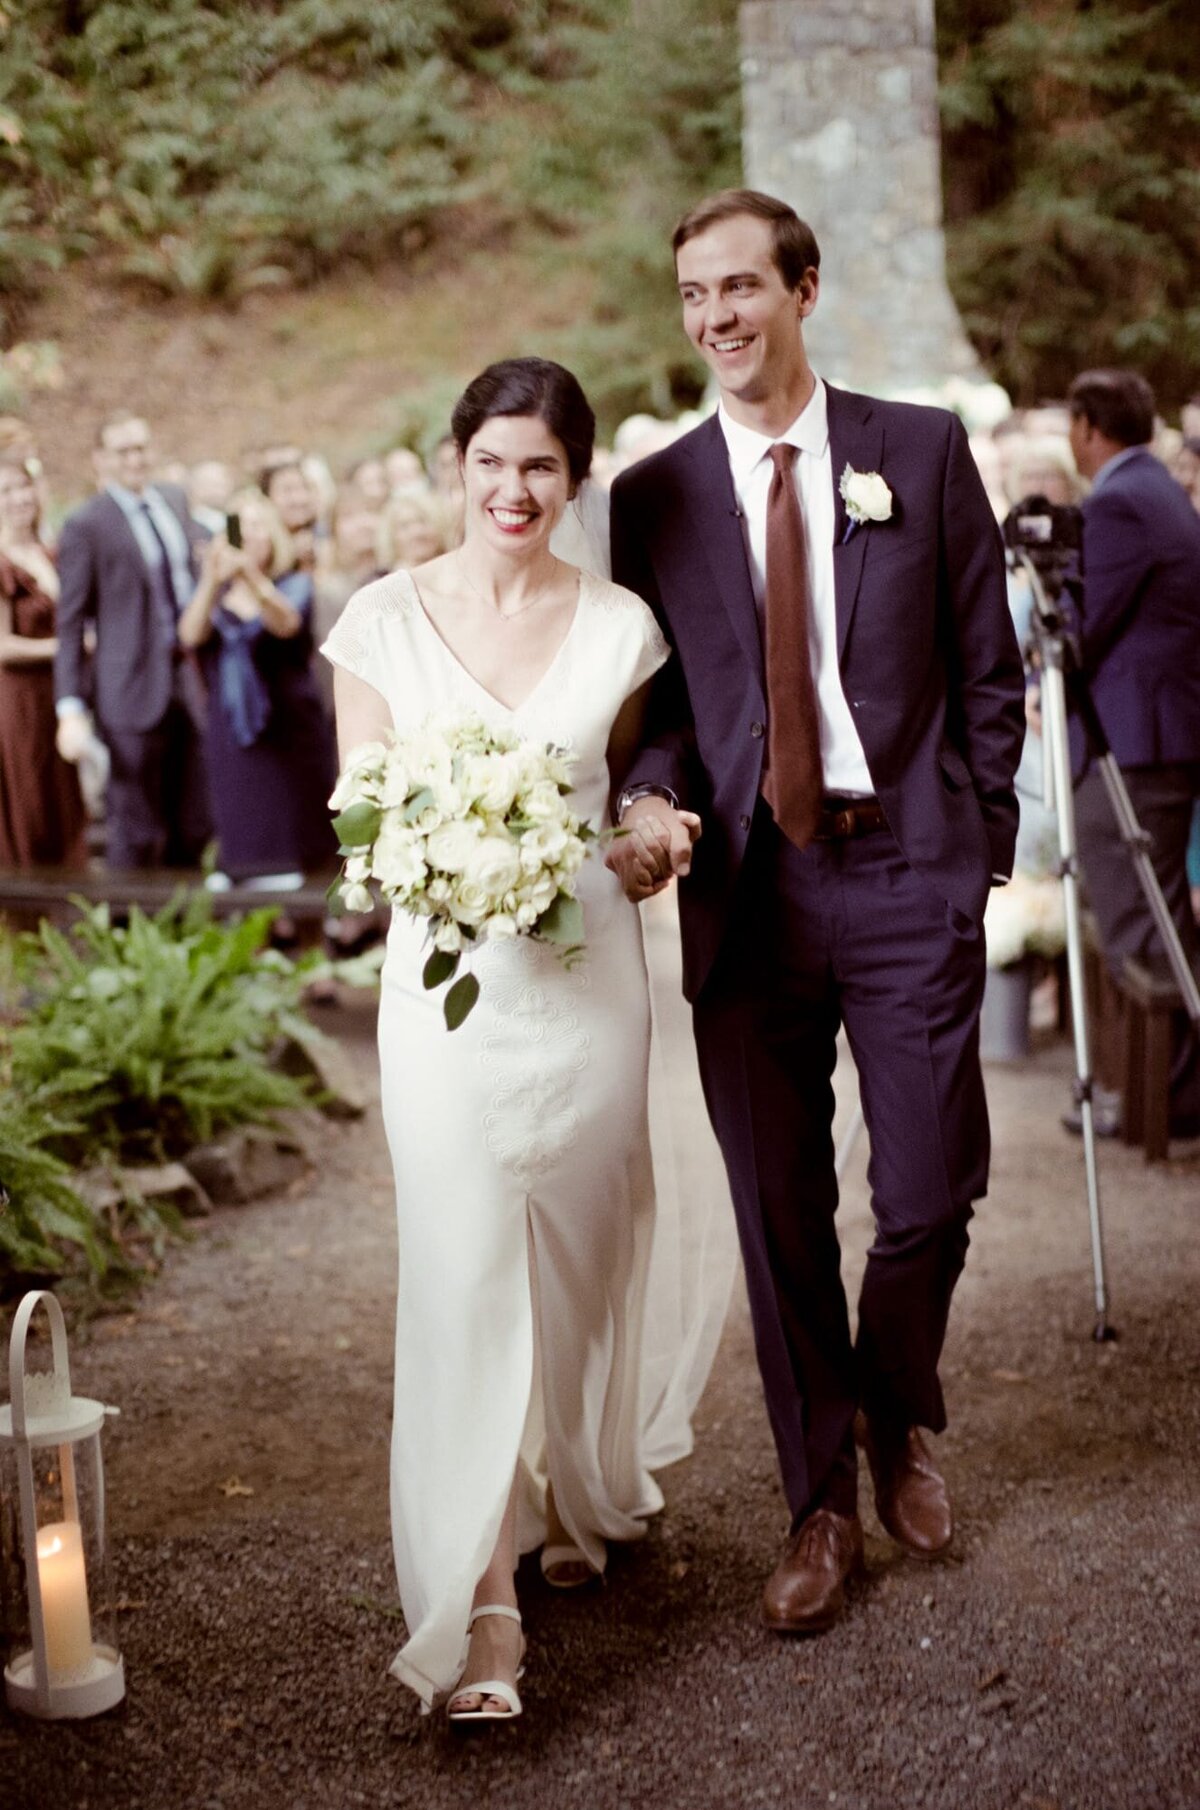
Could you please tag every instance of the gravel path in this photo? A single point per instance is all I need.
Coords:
(1049, 1664)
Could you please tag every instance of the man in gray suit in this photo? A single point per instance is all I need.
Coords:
(127, 567)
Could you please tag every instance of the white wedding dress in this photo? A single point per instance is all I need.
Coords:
(529, 1240)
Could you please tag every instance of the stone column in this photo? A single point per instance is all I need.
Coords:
(840, 100)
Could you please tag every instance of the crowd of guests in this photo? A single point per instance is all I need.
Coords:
(157, 655)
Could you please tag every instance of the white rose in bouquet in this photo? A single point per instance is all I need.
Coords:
(470, 903)
(543, 802)
(543, 845)
(397, 860)
(494, 864)
(362, 777)
(449, 847)
(490, 782)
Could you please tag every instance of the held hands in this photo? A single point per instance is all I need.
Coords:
(657, 848)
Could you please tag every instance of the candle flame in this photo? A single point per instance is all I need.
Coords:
(46, 1548)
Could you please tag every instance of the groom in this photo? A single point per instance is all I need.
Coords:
(844, 714)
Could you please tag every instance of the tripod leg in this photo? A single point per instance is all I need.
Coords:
(1054, 729)
(1137, 844)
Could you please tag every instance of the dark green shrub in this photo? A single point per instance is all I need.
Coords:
(148, 1037)
(43, 1222)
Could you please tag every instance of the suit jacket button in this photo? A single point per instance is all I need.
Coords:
(744, 821)
(756, 730)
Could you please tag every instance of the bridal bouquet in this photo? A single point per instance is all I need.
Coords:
(469, 827)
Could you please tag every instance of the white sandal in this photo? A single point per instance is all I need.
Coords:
(488, 1687)
(553, 1556)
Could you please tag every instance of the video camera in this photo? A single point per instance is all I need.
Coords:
(1050, 535)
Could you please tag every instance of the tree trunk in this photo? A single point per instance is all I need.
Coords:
(841, 121)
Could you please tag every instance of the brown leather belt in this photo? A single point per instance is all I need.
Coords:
(843, 817)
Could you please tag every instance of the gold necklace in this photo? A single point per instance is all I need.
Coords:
(502, 615)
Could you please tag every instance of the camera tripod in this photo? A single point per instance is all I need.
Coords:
(1062, 681)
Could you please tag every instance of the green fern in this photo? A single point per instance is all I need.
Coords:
(151, 1036)
(43, 1221)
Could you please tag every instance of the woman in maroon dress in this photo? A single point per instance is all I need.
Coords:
(41, 810)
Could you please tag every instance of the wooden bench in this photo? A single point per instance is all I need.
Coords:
(1106, 1010)
(1150, 999)
(28, 895)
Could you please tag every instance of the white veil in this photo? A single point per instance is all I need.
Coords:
(694, 1256)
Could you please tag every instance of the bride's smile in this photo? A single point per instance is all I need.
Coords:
(517, 483)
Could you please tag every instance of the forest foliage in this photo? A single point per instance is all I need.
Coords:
(209, 148)
(1071, 157)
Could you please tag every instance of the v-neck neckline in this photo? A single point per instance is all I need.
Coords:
(480, 687)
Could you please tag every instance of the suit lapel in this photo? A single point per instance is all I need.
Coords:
(855, 439)
(714, 507)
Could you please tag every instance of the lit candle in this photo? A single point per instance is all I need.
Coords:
(63, 1581)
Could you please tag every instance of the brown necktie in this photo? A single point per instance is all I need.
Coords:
(792, 779)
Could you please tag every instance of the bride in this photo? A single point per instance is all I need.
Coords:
(524, 1415)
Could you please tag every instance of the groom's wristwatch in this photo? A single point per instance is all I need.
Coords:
(631, 794)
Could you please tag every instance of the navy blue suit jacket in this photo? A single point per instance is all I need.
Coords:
(104, 581)
(1140, 615)
(929, 660)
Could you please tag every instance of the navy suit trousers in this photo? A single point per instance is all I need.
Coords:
(849, 933)
(157, 811)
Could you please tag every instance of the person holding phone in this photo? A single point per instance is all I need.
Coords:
(270, 748)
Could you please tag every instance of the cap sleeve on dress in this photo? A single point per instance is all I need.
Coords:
(655, 650)
(354, 641)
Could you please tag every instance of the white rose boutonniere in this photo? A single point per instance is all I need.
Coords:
(866, 496)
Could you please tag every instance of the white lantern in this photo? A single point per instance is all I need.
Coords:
(57, 1609)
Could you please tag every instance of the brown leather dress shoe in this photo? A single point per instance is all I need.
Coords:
(911, 1498)
(806, 1592)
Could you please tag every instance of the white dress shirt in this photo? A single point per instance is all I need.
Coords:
(133, 506)
(843, 763)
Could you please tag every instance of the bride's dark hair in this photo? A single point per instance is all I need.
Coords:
(530, 386)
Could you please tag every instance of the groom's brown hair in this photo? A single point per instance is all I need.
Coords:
(794, 247)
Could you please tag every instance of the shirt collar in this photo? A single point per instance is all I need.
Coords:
(1115, 463)
(746, 446)
(128, 499)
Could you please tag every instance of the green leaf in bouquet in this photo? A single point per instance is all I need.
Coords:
(358, 826)
(562, 922)
(442, 965)
(459, 1000)
(420, 801)
(333, 897)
